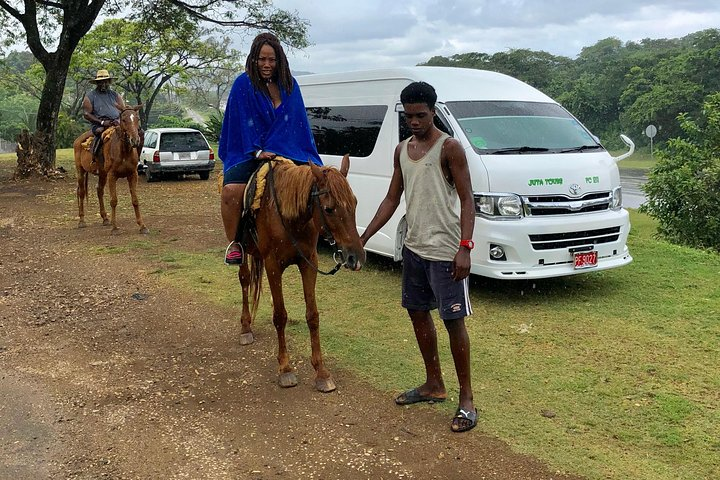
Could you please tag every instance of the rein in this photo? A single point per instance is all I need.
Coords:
(327, 235)
(126, 134)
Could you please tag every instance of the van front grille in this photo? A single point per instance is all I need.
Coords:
(563, 205)
(552, 241)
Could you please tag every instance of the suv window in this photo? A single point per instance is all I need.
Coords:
(341, 130)
(182, 142)
(150, 140)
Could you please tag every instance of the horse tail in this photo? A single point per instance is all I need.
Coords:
(256, 274)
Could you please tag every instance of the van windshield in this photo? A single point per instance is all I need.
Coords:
(500, 127)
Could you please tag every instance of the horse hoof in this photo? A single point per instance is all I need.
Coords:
(325, 385)
(246, 338)
(115, 231)
(82, 225)
(106, 222)
(145, 230)
(288, 379)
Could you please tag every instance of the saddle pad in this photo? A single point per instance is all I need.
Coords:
(256, 185)
(106, 133)
(87, 144)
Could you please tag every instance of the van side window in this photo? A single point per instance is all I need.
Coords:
(404, 131)
(349, 129)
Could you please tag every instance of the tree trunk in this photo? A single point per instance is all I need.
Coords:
(44, 138)
(76, 18)
(26, 166)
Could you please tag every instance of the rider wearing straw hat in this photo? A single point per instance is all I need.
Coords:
(102, 108)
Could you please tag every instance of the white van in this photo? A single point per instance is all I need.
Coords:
(548, 200)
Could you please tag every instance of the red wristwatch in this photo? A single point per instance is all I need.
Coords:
(469, 244)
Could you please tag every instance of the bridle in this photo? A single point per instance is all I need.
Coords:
(324, 229)
(125, 132)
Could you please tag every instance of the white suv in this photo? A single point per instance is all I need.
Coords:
(176, 151)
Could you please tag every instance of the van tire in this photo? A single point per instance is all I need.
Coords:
(204, 175)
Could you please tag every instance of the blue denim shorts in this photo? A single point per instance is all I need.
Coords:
(241, 172)
(428, 284)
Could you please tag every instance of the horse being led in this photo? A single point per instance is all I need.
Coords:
(298, 203)
(120, 151)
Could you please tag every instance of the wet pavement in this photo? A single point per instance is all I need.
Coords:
(632, 181)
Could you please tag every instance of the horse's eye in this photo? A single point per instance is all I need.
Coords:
(329, 210)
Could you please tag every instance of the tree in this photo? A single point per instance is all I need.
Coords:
(210, 86)
(145, 60)
(45, 24)
(683, 189)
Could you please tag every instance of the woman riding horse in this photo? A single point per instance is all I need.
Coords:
(265, 117)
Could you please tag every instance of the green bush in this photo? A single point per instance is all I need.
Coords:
(214, 126)
(68, 129)
(167, 121)
(683, 188)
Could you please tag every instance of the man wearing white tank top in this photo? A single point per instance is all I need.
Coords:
(431, 168)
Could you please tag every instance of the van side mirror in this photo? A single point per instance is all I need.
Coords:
(630, 145)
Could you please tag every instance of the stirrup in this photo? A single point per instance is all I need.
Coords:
(234, 257)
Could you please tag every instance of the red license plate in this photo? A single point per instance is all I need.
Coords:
(586, 259)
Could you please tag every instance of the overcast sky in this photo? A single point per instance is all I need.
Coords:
(365, 34)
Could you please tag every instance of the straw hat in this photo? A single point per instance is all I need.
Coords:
(102, 75)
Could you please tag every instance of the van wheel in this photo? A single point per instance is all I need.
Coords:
(151, 177)
(204, 175)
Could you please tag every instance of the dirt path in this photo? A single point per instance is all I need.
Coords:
(105, 373)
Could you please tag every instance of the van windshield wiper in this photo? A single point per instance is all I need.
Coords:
(523, 149)
(581, 148)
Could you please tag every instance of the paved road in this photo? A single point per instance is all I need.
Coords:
(632, 181)
(195, 116)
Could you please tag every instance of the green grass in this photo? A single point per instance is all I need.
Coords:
(63, 158)
(640, 160)
(627, 359)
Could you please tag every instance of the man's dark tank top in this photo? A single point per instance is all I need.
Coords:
(104, 104)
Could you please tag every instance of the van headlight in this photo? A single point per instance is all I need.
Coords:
(616, 202)
(498, 205)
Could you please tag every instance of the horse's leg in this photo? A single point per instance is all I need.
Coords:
(132, 183)
(246, 335)
(274, 275)
(112, 186)
(323, 379)
(102, 180)
(81, 194)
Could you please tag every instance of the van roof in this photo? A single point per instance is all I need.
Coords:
(450, 83)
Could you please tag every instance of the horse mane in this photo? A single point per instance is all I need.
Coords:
(293, 184)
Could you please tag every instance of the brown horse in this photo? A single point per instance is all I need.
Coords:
(298, 203)
(120, 151)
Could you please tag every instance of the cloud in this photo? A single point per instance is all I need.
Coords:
(352, 35)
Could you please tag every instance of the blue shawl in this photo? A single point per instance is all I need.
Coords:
(251, 124)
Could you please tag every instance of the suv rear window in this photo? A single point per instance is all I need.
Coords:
(182, 142)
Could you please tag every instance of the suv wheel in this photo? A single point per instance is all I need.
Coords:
(204, 175)
(151, 177)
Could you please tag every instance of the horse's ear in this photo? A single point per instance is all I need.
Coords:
(345, 165)
(317, 171)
